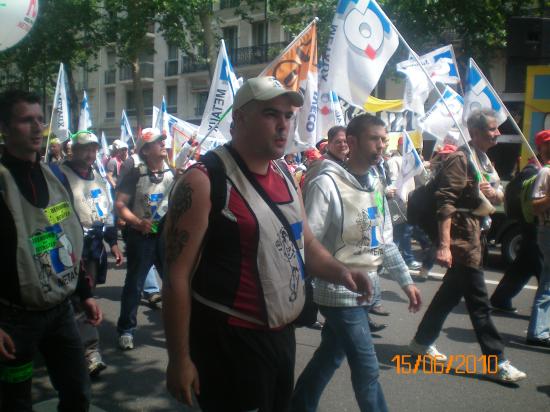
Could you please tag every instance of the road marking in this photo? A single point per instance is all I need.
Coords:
(489, 281)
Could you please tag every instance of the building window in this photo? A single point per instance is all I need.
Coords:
(227, 4)
(110, 110)
(172, 99)
(147, 102)
(172, 51)
(259, 33)
(230, 38)
(201, 103)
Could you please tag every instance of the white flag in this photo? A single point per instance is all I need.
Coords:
(362, 41)
(440, 65)
(85, 118)
(330, 110)
(411, 165)
(437, 120)
(162, 124)
(60, 109)
(220, 100)
(126, 135)
(481, 95)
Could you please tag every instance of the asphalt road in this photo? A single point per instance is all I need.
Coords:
(134, 380)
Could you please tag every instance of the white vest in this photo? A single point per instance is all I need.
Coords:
(49, 242)
(362, 224)
(90, 198)
(151, 199)
(278, 265)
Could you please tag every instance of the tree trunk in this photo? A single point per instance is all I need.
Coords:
(73, 98)
(209, 40)
(138, 93)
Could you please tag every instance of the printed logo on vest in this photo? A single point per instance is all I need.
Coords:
(368, 222)
(57, 213)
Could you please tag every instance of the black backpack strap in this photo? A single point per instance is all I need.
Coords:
(218, 187)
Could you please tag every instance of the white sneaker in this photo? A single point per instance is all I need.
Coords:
(417, 349)
(507, 373)
(126, 342)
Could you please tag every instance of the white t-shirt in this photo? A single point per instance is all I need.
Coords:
(541, 189)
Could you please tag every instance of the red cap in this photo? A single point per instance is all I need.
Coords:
(312, 154)
(448, 148)
(541, 137)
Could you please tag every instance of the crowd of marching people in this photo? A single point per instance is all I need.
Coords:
(245, 240)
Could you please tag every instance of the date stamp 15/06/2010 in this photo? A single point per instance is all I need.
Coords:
(459, 364)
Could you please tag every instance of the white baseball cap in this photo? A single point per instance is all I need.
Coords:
(264, 88)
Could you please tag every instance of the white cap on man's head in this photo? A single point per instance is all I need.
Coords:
(84, 137)
(149, 135)
(119, 144)
(264, 88)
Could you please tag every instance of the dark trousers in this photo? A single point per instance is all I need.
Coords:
(54, 334)
(241, 369)
(469, 282)
(527, 263)
(142, 252)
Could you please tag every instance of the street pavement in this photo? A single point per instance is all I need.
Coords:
(135, 380)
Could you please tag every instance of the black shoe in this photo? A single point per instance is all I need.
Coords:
(544, 342)
(504, 309)
(379, 310)
(317, 326)
(376, 327)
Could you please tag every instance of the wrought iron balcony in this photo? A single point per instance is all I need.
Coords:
(227, 4)
(147, 70)
(241, 56)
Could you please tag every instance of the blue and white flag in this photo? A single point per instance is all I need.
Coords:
(104, 151)
(330, 111)
(441, 66)
(162, 124)
(481, 95)
(60, 110)
(85, 118)
(361, 42)
(411, 165)
(126, 135)
(438, 121)
(220, 100)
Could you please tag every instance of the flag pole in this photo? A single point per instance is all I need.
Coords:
(417, 59)
(192, 152)
(507, 113)
(53, 110)
(290, 45)
(457, 71)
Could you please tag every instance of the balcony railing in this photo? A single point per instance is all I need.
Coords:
(147, 111)
(109, 115)
(200, 110)
(226, 4)
(110, 76)
(193, 64)
(172, 109)
(242, 56)
(147, 70)
(171, 67)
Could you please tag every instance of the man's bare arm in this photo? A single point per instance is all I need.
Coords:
(111, 179)
(541, 205)
(443, 256)
(121, 204)
(185, 227)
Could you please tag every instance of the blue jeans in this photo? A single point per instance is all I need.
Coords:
(151, 284)
(539, 325)
(345, 334)
(402, 234)
(142, 253)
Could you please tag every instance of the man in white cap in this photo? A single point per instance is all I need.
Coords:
(142, 201)
(94, 206)
(118, 156)
(236, 243)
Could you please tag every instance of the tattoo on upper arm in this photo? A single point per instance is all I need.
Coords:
(176, 239)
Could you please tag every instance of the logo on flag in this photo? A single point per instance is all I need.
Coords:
(361, 43)
(125, 129)
(411, 165)
(296, 69)
(438, 121)
(60, 111)
(480, 95)
(216, 118)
